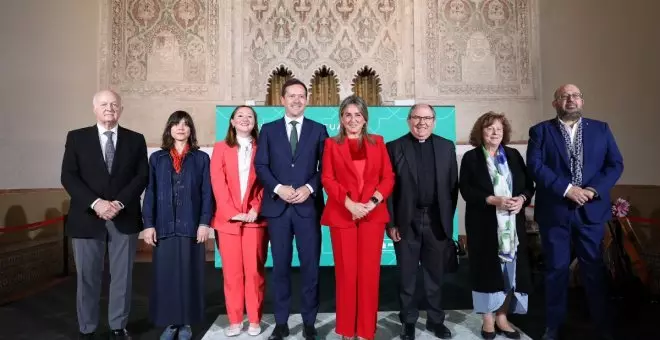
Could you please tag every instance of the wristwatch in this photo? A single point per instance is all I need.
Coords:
(374, 200)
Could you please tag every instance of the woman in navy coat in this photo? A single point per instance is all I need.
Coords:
(177, 210)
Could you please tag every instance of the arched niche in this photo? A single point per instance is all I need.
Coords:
(324, 90)
(275, 83)
(366, 84)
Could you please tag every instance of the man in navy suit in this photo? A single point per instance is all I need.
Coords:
(575, 162)
(288, 164)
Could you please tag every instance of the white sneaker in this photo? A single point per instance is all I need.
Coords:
(233, 330)
(254, 329)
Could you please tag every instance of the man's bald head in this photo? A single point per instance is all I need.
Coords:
(101, 93)
(568, 102)
(107, 108)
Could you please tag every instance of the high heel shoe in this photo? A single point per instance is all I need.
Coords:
(487, 335)
(509, 334)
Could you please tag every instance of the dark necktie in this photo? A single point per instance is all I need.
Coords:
(293, 138)
(109, 150)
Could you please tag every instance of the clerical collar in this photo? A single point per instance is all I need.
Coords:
(415, 139)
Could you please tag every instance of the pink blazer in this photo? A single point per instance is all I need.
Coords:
(227, 190)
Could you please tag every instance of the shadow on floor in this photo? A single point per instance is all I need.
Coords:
(51, 314)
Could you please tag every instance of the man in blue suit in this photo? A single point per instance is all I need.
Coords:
(575, 162)
(288, 164)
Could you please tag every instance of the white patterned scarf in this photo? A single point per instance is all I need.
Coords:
(574, 149)
(500, 176)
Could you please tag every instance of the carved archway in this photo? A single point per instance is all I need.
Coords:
(324, 88)
(275, 82)
(366, 84)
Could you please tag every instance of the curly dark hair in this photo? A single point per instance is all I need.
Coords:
(487, 119)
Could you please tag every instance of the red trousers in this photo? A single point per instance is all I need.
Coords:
(243, 260)
(357, 253)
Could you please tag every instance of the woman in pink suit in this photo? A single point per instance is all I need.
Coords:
(242, 237)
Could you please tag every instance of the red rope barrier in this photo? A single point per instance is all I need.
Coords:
(631, 218)
(643, 220)
(31, 225)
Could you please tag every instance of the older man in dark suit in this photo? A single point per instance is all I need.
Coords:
(422, 209)
(105, 170)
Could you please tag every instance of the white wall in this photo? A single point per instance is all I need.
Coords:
(611, 50)
(48, 67)
(48, 63)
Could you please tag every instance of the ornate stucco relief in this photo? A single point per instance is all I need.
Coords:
(304, 35)
(475, 48)
(160, 47)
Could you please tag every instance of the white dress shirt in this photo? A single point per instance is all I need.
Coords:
(103, 139)
(287, 124)
(244, 162)
(572, 131)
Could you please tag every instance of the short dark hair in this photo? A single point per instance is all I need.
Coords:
(291, 82)
(487, 119)
(174, 119)
(230, 137)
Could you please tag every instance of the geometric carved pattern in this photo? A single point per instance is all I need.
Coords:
(345, 54)
(303, 52)
(304, 35)
(478, 47)
(164, 46)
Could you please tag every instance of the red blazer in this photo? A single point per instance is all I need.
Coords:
(339, 178)
(227, 190)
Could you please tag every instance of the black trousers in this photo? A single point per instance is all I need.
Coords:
(424, 242)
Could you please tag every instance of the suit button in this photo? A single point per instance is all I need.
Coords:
(292, 165)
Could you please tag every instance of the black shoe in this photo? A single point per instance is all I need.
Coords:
(487, 335)
(511, 335)
(86, 336)
(550, 334)
(605, 336)
(280, 332)
(441, 331)
(408, 331)
(120, 334)
(309, 332)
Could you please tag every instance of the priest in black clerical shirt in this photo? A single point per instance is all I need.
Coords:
(422, 209)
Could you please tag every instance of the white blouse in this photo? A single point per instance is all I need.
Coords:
(244, 162)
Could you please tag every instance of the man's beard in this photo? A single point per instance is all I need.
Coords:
(565, 115)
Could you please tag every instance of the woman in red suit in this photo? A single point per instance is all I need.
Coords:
(242, 237)
(357, 176)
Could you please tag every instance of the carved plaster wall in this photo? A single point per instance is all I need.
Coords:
(160, 47)
(163, 55)
(344, 35)
(475, 48)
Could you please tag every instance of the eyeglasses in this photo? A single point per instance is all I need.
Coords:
(426, 119)
(573, 96)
